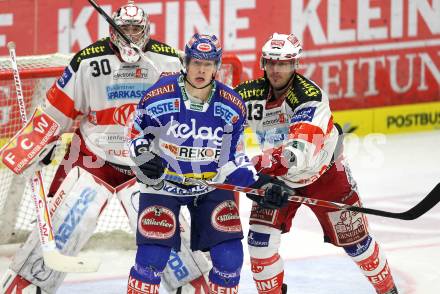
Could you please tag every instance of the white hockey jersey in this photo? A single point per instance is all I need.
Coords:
(103, 92)
(301, 120)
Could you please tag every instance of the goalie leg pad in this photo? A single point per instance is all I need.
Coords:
(12, 283)
(227, 260)
(373, 264)
(75, 210)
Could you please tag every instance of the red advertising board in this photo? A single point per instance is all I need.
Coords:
(363, 53)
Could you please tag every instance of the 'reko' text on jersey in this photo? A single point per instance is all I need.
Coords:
(196, 140)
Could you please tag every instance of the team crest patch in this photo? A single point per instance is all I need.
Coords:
(157, 222)
(225, 217)
(349, 227)
(263, 215)
(124, 114)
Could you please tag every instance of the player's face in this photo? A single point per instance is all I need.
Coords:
(135, 33)
(279, 72)
(200, 72)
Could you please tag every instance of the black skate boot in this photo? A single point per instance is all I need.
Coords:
(284, 289)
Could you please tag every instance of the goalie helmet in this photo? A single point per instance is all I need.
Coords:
(135, 24)
(205, 47)
(281, 47)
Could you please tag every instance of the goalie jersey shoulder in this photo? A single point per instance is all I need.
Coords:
(99, 48)
(161, 48)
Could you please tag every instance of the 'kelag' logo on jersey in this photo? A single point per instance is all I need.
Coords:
(184, 131)
(65, 77)
(229, 115)
(162, 107)
(304, 114)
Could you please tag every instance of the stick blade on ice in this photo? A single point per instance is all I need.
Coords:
(70, 264)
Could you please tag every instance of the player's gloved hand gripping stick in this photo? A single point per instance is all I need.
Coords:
(428, 202)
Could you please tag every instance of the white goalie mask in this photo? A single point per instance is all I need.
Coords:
(281, 47)
(134, 22)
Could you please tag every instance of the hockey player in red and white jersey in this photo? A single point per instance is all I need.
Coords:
(100, 88)
(302, 146)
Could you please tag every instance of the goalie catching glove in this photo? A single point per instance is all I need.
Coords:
(149, 167)
(276, 192)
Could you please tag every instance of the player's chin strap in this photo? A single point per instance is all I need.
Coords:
(199, 88)
(428, 202)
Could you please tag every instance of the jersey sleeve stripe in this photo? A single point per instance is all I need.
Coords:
(62, 102)
(113, 115)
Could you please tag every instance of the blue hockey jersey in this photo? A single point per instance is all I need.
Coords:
(196, 140)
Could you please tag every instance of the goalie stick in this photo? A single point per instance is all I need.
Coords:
(52, 258)
(428, 202)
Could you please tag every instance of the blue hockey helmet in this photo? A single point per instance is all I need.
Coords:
(206, 47)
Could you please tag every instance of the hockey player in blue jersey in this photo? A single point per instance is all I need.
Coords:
(190, 125)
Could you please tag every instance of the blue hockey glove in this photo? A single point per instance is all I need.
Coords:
(276, 192)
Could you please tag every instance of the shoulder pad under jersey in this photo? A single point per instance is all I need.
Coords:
(257, 89)
(232, 98)
(161, 48)
(165, 86)
(99, 48)
(306, 90)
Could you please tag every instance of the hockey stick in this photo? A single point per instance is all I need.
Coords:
(122, 34)
(52, 258)
(418, 210)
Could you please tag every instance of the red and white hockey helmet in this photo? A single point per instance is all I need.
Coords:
(281, 47)
(135, 23)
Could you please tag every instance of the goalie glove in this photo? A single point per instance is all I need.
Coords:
(276, 192)
(149, 167)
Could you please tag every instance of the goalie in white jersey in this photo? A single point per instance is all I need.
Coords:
(100, 88)
(302, 146)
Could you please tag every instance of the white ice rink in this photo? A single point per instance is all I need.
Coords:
(393, 173)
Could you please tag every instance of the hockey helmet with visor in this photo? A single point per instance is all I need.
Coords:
(281, 50)
(134, 22)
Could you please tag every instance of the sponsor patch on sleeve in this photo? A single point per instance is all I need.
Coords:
(65, 78)
(257, 239)
(304, 114)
